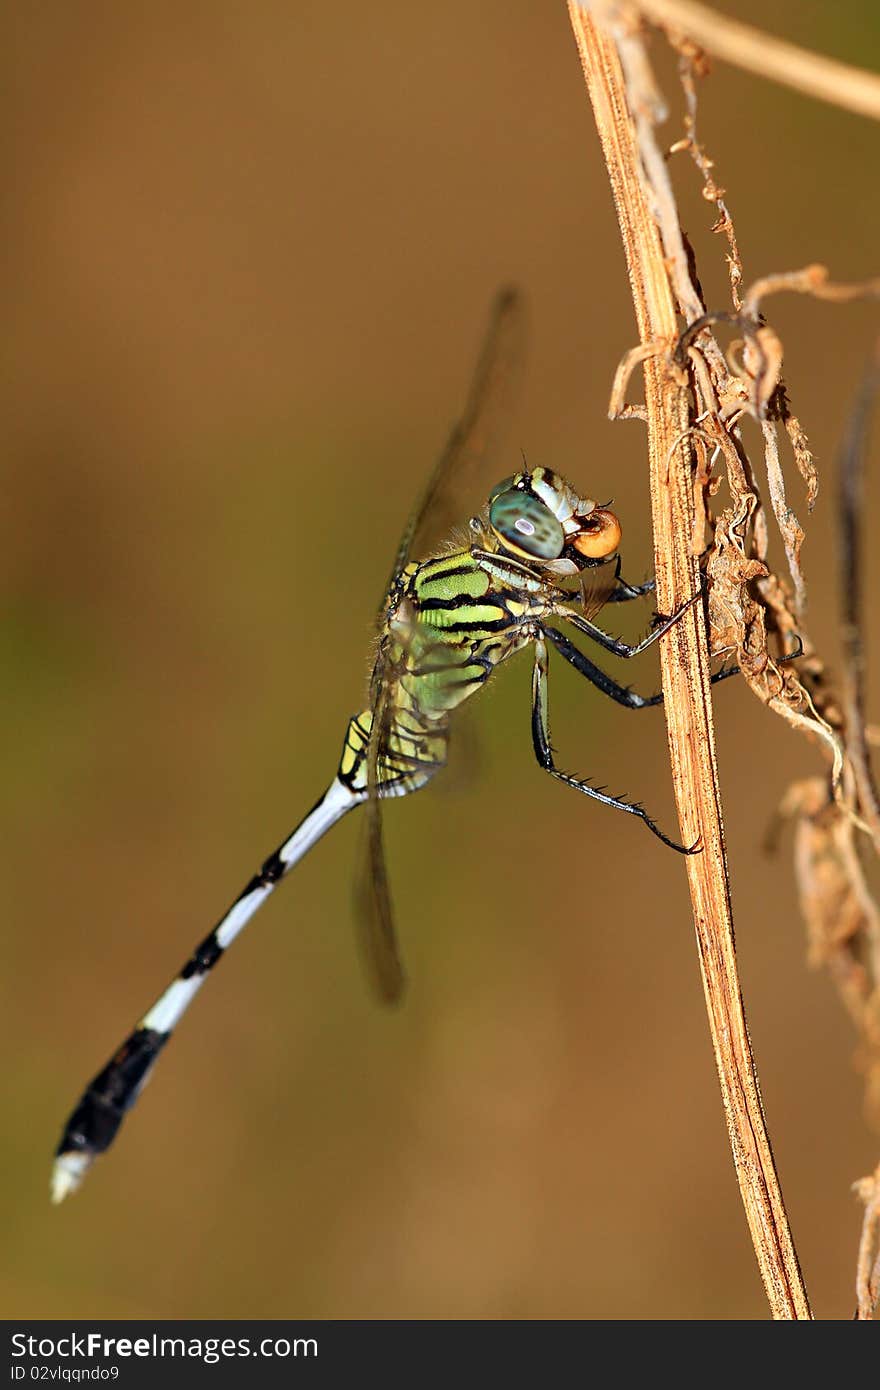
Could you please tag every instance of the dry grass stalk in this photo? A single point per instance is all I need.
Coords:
(868, 1272)
(761, 53)
(626, 105)
(747, 601)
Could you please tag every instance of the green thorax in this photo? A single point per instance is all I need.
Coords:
(456, 618)
(448, 623)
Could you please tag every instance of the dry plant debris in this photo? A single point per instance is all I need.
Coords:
(868, 1271)
(753, 610)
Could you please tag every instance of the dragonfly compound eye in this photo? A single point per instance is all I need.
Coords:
(599, 534)
(525, 526)
(504, 486)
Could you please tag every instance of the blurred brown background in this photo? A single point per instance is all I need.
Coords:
(248, 256)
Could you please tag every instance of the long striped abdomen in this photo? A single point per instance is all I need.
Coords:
(93, 1124)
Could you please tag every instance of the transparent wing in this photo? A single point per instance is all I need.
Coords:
(451, 488)
(373, 911)
(452, 485)
(596, 585)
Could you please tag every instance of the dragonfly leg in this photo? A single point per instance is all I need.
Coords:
(616, 644)
(624, 592)
(544, 754)
(630, 699)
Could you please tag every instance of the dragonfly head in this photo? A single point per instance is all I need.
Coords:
(539, 518)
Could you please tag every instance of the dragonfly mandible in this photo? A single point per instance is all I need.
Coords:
(538, 556)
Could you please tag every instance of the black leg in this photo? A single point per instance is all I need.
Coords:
(630, 699)
(544, 754)
(624, 592)
(616, 644)
(792, 656)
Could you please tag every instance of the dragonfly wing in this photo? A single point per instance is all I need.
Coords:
(469, 446)
(373, 909)
(471, 442)
(597, 583)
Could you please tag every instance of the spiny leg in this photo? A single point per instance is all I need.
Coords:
(544, 754)
(92, 1126)
(616, 644)
(630, 699)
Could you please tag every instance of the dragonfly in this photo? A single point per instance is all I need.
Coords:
(532, 569)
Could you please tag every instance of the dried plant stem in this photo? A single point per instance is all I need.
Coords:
(685, 668)
(745, 47)
(851, 506)
(868, 1271)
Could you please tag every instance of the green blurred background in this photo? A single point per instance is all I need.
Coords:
(249, 253)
